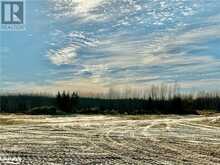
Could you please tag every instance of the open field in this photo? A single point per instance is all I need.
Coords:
(109, 140)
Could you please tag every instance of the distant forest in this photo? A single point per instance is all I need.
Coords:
(158, 100)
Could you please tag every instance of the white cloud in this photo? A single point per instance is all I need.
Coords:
(87, 87)
(199, 85)
(84, 86)
(129, 58)
(65, 55)
(84, 9)
(85, 6)
(137, 54)
(196, 35)
(123, 51)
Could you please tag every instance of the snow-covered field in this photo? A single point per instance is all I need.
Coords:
(109, 140)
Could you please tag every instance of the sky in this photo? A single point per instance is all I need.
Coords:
(94, 45)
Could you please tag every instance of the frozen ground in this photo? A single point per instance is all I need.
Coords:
(109, 140)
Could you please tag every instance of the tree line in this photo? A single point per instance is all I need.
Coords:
(70, 103)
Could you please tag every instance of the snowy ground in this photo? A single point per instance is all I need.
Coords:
(109, 140)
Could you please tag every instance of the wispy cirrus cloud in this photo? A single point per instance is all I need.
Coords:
(132, 42)
(63, 56)
(83, 9)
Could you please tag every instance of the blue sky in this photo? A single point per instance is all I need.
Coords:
(94, 45)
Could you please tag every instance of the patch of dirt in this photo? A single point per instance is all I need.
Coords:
(81, 140)
(215, 122)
